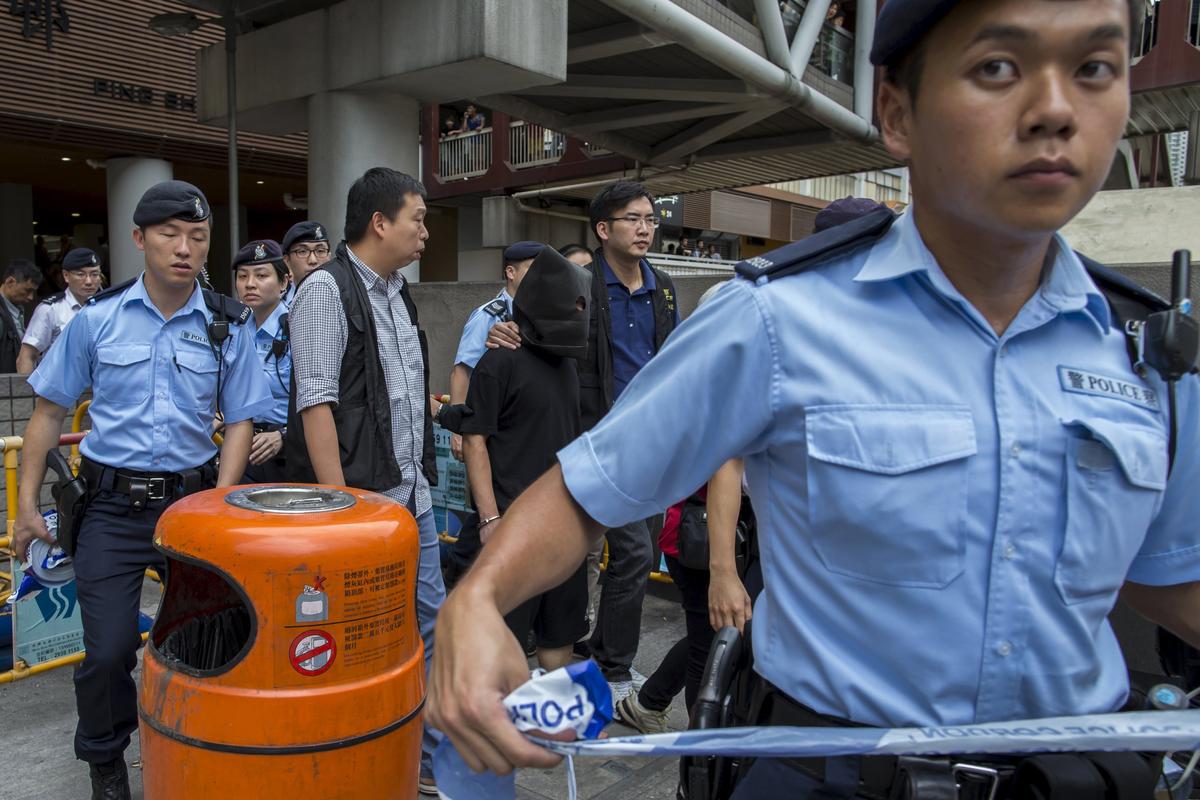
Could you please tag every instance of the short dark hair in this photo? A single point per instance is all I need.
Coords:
(21, 270)
(379, 189)
(568, 250)
(613, 197)
(904, 71)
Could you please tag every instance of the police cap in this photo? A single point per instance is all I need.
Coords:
(522, 251)
(259, 251)
(80, 258)
(844, 210)
(902, 23)
(306, 231)
(171, 200)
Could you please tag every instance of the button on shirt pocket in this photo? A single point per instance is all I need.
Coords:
(887, 490)
(196, 381)
(1115, 477)
(123, 376)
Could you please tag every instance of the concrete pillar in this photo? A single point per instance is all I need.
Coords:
(218, 248)
(16, 222)
(1191, 171)
(128, 179)
(350, 132)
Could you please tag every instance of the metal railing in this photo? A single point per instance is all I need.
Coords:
(465, 155)
(532, 145)
(691, 267)
(834, 53)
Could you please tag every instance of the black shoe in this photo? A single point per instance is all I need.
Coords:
(110, 781)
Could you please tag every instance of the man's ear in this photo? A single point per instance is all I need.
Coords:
(139, 239)
(378, 223)
(894, 107)
(602, 231)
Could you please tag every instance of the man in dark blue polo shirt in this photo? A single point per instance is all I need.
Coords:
(634, 309)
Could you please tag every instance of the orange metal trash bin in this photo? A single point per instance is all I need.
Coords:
(285, 660)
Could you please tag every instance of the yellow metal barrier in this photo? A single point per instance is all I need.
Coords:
(20, 671)
(76, 427)
(12, 447)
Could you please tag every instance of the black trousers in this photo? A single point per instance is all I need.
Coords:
(683, 665)
(271, 471)
(115, 548)
(614, 642)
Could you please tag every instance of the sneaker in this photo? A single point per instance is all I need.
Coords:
(639, 680)
(619, 689)
(427, 786)
(631, 711)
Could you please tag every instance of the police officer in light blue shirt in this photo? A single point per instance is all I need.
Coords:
(260, 280)
(954, 464)
(163, 358)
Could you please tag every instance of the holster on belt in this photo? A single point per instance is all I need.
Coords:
(70, 497)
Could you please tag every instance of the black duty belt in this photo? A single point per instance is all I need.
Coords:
(147, 487)
(1057, 776)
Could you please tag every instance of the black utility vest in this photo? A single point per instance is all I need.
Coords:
(363, 415)
(595, 369)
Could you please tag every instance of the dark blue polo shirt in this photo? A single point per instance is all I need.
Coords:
(632, 325)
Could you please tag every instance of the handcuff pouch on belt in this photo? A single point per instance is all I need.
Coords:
(70, 497)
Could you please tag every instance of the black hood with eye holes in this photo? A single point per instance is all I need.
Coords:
(552, 305)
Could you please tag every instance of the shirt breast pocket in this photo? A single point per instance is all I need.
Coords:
(196, 381)
(1115, 478)
(887, 490)
(123, 376)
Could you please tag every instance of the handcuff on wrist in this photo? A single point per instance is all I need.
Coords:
(483, 523)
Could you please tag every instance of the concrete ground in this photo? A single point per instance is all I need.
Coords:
(37, 723)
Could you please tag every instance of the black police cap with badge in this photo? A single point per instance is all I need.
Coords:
(522, 251)
(261, 252)
(80, 258)
(306, 231)
(171, 200)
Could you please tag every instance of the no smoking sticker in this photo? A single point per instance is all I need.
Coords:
(312, 652)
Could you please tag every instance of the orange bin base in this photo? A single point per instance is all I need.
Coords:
(382, 768)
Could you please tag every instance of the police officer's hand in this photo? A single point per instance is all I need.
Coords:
(435, 405)
(728, 603)
(28, 524)
(265, 446)
(476, 664)
(504, 334)
(456, 446)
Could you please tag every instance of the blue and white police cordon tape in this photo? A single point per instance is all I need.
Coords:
(576, 698)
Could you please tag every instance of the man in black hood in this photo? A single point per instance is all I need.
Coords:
(522, 408)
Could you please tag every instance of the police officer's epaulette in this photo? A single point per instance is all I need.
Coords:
(799, 256)
(223, 305)
(54, 298)
(1128, 299)
(112, 291)
(497, 308)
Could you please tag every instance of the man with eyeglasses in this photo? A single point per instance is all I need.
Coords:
(635, 310)
(81, 273)
(305, 247)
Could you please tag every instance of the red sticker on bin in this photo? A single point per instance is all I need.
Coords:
(312, 652)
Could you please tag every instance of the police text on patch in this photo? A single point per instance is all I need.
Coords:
(1081, 381)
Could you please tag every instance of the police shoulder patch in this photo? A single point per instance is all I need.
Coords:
(497, 308)
(232, 310)
(54, 298)
(798, 256)
(1081, 381)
